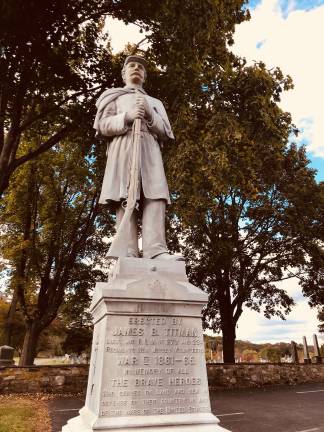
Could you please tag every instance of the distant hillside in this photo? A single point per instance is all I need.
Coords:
(246, 351)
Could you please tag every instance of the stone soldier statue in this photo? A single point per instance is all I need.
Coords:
(118, 108)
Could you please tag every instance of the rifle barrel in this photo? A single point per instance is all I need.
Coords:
(119, 245)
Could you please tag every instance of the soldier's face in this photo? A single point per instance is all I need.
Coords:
(134, 73)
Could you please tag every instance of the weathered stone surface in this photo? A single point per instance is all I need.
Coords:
(148, 360)
(294, 352)
(59, 380)
(17, 379)
(6, 355)
(306, 351)
(261, 374)
(317, 353)
(43, 379)
(9, 378)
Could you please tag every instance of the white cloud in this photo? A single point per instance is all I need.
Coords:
(302, 321)
(291, 39)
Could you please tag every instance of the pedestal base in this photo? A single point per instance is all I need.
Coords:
(177, 423)
(148, 369)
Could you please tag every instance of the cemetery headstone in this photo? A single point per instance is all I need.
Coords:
(6, 356)
(307, 359)
(317, 352)
(294, 352)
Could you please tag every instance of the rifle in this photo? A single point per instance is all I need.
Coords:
(118, 247)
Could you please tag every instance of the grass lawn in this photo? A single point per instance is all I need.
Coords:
(23, 414)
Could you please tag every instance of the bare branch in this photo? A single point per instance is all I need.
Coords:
(44, 146)
(44, 113)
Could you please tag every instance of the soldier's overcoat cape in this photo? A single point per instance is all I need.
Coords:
(110, 122)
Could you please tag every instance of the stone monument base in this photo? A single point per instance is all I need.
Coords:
(147, 369)
(173, 423)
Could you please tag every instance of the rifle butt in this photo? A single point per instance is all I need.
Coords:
(119, 245)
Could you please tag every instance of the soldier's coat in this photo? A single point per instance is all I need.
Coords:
(110, 122)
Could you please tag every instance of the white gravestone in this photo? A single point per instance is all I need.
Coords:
(147, 369)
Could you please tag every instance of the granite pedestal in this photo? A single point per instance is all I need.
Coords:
(147, 369)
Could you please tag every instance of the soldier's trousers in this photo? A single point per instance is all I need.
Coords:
(153, 228)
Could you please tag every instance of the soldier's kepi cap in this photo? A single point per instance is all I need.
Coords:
(136, 58)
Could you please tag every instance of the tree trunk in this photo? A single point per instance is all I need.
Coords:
(28, 353)
(4, 183)
(229, 336)
(11, 317)
(228, 322)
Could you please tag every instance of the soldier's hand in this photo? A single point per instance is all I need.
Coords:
(137, 113)
(141, 101)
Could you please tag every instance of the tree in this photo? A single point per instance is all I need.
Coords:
(76, 317)
(78, 340)
(16, 324)
(212, 345)
(313, 281)
(242, 212)
(48, 65)
(52, 54)
(53, 233)
(4, 309)
(51, 339)
(272, 354)
(320, 317)
(312, 278)
(245, 198)
(250, 356)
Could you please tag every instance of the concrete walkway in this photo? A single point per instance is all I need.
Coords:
(272, 409)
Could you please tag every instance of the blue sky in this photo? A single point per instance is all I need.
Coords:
(318, 164)
(286, 4)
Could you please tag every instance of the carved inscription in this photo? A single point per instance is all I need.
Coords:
(155, 366)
